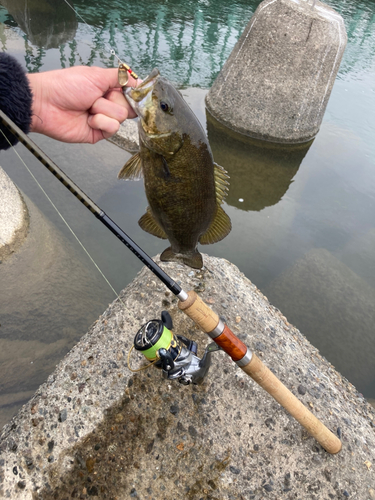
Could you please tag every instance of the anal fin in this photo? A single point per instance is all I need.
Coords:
(219, 229)
(149, 224)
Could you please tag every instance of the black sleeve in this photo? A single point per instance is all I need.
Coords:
(15, 97)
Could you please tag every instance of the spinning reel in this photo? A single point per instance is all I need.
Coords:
(174, 354)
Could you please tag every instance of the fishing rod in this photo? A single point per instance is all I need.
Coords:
(176, 355)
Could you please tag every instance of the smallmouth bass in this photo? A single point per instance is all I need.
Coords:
(184, 186)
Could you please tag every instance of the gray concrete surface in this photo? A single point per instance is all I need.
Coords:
(95, 429)
(14, 217)
(127, 137)
(276, 83)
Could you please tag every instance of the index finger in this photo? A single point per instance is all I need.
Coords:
(116, 96)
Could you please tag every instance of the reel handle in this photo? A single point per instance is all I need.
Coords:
(208, 320)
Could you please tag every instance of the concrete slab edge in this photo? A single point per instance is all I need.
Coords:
(67, 439)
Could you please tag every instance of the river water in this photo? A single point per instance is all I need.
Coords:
(303, 221)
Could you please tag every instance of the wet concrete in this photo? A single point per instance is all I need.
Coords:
(95, 429)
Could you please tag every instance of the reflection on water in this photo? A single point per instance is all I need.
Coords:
(47, 23)
(260, 173)
(36, 333)
(359, 23)
(188, 41)
(305, 230)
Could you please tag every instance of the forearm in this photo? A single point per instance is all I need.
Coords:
(15, 98)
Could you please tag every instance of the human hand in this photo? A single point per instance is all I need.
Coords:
(78, 104)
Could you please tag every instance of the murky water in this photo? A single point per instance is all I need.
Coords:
(303, 220)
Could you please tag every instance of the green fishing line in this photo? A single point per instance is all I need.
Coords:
(164, 342)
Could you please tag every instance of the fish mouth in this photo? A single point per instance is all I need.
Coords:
(138, 96)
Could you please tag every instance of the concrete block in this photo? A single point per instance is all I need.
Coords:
(276, 83)
(14, 216)
(96, 430)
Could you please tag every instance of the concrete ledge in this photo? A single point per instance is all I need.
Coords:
(95, 429)
(127, 136)
(14, 217)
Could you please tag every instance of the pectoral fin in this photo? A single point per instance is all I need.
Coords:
(221, 183)
(149, 224)
(219, 229)
(132, 170)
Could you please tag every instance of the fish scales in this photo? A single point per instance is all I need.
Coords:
(182, 200)
(183, 185)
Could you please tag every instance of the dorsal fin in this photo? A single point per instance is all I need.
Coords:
(219, 229)
(149, 224)
(221, 183)
(132, 170)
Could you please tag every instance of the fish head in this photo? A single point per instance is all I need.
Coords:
(156, 102)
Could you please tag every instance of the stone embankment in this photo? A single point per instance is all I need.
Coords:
(97, 430)
(14, 217)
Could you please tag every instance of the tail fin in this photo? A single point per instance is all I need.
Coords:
(193, 259)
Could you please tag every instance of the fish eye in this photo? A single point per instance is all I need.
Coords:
(164, 106)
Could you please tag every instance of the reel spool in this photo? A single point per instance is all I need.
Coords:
(174, 354)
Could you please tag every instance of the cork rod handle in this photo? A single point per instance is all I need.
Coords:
(199, 312)
(207, 320)
(266, 379)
